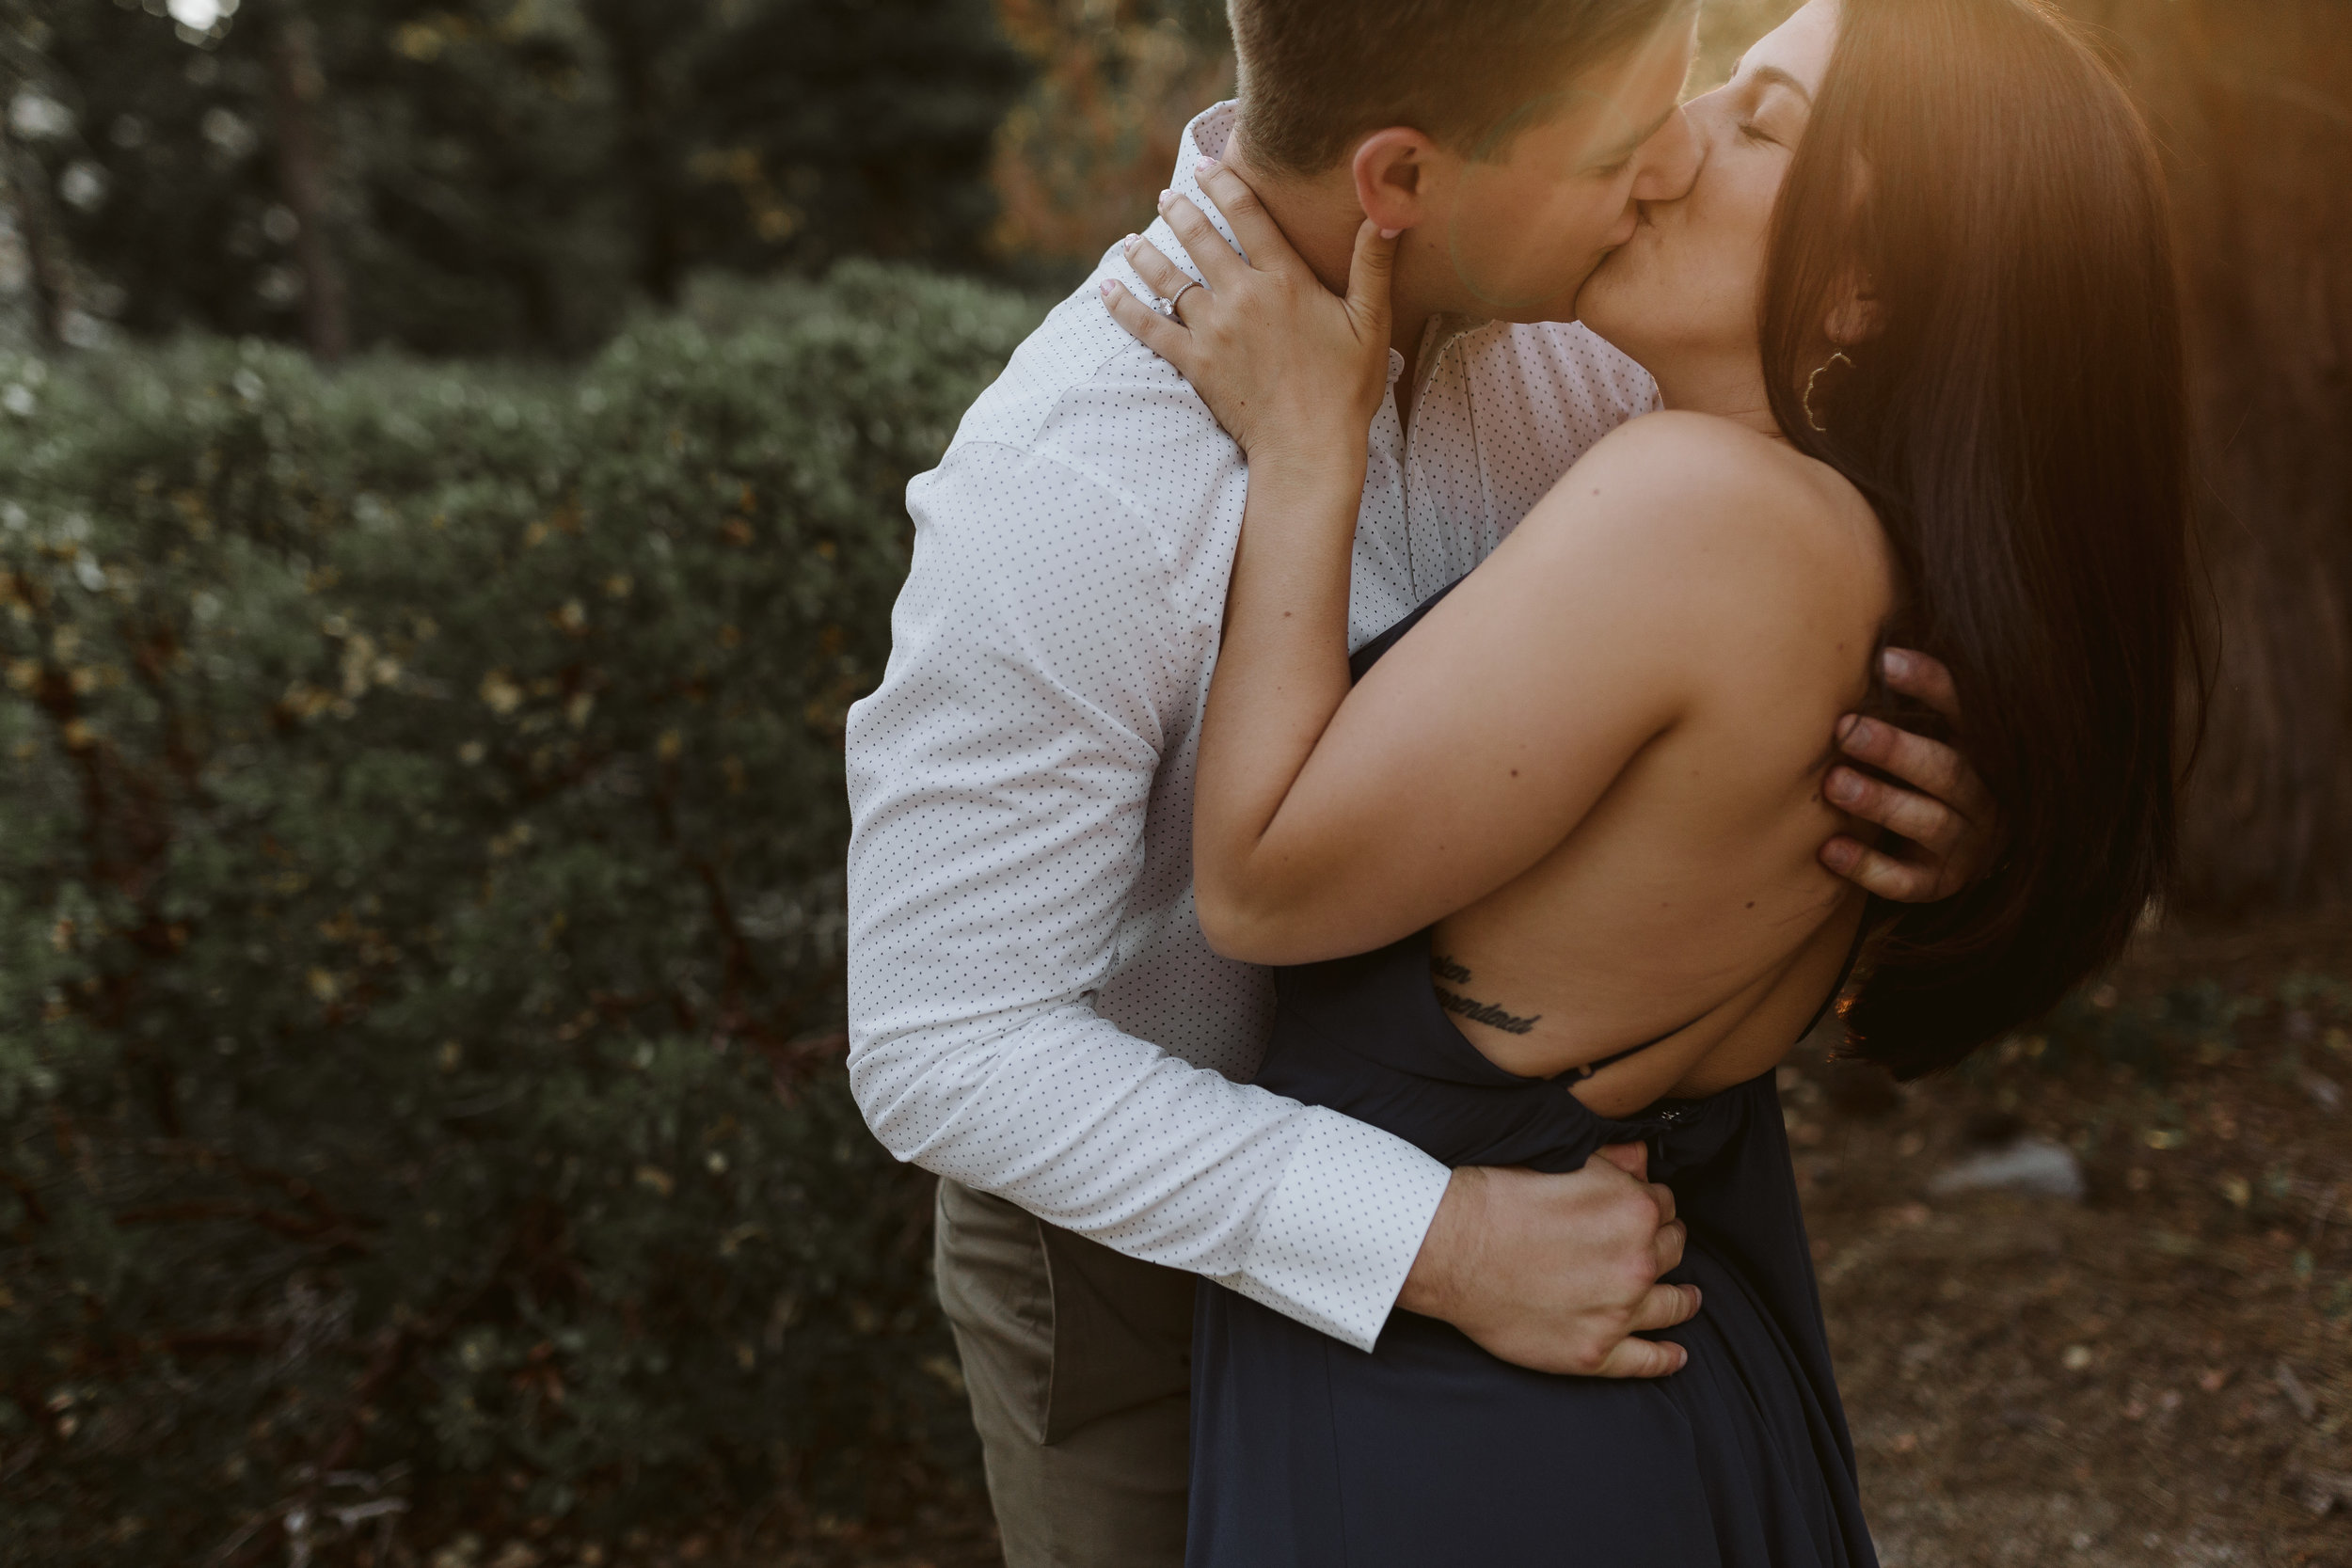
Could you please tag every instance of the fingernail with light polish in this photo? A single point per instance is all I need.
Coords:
(1896, 662)
(1391, 233)
(1164, 199)
(1207, 166)
(1859, 733)
(1844, 787)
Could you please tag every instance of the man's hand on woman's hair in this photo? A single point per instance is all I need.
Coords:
(1948, 816)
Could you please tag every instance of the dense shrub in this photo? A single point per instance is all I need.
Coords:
(421, 936)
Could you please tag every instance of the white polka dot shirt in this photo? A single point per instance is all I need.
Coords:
(1033, 1009)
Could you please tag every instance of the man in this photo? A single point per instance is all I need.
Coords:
(1034, 1012)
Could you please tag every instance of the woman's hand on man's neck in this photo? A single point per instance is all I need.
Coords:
(1320, 216)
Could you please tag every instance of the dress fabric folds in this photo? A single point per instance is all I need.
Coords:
(1429, 1452)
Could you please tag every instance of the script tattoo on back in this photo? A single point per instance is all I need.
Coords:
(1447, 969)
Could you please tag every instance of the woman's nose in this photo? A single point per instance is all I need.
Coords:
(1670, 161)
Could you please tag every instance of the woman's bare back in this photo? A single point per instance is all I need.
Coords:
(1690, 902)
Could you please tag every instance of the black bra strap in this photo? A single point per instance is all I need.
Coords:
(1854, 956)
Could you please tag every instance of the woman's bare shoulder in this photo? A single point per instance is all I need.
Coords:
(1713, 469)
(1701, 495)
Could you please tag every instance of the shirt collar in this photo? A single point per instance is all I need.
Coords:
(1205, 137)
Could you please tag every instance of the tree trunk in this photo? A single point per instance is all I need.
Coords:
(24, 183)
(636, 36)
(297, 100)
(2252, 99)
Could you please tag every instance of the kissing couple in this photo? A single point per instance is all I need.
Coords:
(1424, 680)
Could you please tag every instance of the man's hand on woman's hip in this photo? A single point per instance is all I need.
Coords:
(1558, 1273)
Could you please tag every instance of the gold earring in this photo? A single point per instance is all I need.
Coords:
(1836, 359)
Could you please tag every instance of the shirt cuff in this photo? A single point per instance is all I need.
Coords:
(1339, 1233)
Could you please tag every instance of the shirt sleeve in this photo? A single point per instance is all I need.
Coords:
(998, 781)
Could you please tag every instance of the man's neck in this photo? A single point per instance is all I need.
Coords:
(1320, 217)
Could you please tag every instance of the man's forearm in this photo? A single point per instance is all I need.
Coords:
(1108, 1136)
(1002, 785)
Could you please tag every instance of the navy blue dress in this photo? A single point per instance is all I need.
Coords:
(1429, 1452)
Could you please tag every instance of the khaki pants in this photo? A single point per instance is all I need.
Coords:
(1078, 1361)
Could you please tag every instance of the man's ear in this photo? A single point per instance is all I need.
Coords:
(1393, 172)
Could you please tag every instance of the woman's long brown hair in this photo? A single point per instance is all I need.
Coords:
(1976, 174)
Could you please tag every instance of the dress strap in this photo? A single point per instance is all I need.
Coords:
(1585, 1070)
(1369, 654)
(1854, 956)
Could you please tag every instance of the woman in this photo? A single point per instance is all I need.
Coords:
(1545, 876)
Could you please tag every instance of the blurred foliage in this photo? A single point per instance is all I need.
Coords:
(2299, 1022)
(420, 937)
(1081, 157)
(505, 176)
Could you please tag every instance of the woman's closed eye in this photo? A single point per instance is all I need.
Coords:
(1773, 119)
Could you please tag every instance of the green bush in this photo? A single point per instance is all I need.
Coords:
(421, 938)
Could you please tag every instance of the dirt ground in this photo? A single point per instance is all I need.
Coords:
(2154, 1375)
(2159, 1374)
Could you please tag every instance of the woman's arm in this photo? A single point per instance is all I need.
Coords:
(1295, 374)
(1281, 675)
